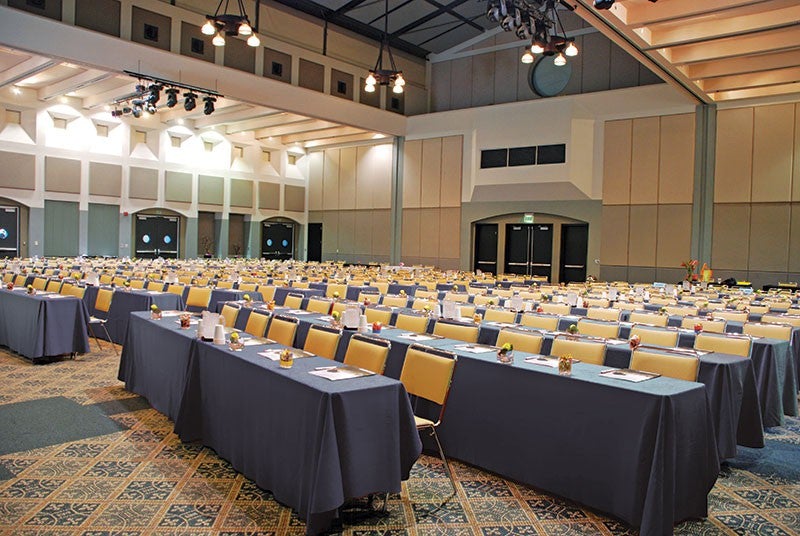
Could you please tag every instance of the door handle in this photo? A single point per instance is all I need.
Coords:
(518, 264)
(488, 262)
(573, 266)
(539, 264)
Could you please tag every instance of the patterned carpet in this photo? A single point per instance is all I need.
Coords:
(143, 480)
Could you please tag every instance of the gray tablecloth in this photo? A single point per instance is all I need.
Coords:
(124, 302)
(281, 292)
(37, 326)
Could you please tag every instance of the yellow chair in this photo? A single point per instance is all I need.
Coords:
(369, 353)
(224, 284)
(19, 281)
(676, 310)
(336, 287)
(486, 300)
(459, 297)
(599, 303)
(456, 330)
(293, 301)
(176, 289)
(499, 315)
(76, 291)
(54, 285)
(39, 283)
(120, 281)
(300, 284)
(538, 321)
(319, 305)
(588, 352)
(427, 374)
(676, 365)
(417, 324)
(248, 287)
(598, 328)
(8, 277)
(726, 344)
(600, 313)
(420, 304)
(524, 341)
(657, 337)
(555, 308)
(375, 314)
(198, 298)
(256, 324)
(792, 320)
(201, 281)
(382, 286)
(390, 300)
(282, 329)
(229, 313)
(157, 286)
(101, 303)
(426, 294)
(780, 305)
(713, 326)
(137, 283)
(322, 341)
(654, 319)
(772, 331)
(267, 292)
(758, 309)
(106, 279)
(373, 297)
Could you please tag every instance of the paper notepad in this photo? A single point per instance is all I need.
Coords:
(342, 372)
(167, 314)
(275, 354)
(616, 341)
(543, 360)
(629, 375)
(54, 296)
(256, 341)
(475, 348)
(297, 312)
(416, 337)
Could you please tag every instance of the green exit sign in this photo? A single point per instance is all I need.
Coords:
(527, 218)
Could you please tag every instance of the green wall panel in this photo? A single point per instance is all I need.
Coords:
(61, 229)
(103, 229)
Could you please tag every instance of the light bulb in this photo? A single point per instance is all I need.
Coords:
(536, 48)
(218, 40)
(253, 40)
(369, 88)
(399, 81)
(397, 89)
(572, 50)
(208, 28)
(245, 29)
(527, 57)
(370, 81)
(560, 60)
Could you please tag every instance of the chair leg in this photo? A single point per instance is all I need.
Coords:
(114, 346)
(96, 340)
(446, 466)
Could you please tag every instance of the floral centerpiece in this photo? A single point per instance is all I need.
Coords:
(635, 341)
(235, 342)
(286, 358)
(662, 310)
(426, 309)
(271, 305)
(477, 318)
(402, 292)
(376, 327)
(505, 354)
(31, 290)
(9, 285)
(565, 365)
(248, 301)
(336, 295)
(490, 304)
(690, 266)
(572, 329)
(185, 319)
(698, 327)
(336, 319)
(127, 285)
(155, 312)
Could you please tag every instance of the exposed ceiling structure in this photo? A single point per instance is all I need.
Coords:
(30, 81)
(720, 50)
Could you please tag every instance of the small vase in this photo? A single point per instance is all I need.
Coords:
(565, 366)
(505, 358)
(155, 316)
(286, 359)
(235, 346)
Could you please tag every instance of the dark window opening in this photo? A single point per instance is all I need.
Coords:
(151, 32)
(198, 46)
(277, 69)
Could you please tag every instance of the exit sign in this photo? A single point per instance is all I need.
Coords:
(527, 218)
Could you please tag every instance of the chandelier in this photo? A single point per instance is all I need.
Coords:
(221, 24)
(379, 75)
(538, 21)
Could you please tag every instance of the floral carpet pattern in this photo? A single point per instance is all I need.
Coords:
(144, 481)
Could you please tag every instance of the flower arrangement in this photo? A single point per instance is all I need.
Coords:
(9, 285)
(155, 312)
(572, 329)
(248, 301)
(185, 319)
(565, 365)
(662, 310)
(286, 358)
(235, 342)
(271, 305)
(336, 319)
(402, 292)
(336, 295)
(698, 328)
(635, 341)
(127, 285)
(31, 290)
(690, 266)
(376, 327)
(505, 354)
(490, 303)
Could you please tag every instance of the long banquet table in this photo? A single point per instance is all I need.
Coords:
(310, 441)
(42, 325)
(124, 302)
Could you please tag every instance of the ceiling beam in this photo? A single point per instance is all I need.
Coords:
(73, 83)
(354, 138)
(751, 80)
(25, 69)
(110, 96)
(456, 14)
(321, 134)
(641, 14)
(728, 47)
(742, 65)
(217, 119)
(280, 118)
(430, 16)
(751, 93)
(295, 128)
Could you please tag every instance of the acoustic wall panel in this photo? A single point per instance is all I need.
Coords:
(277, 65)
(294, 198)
(143, 183)
(674, 235)
(429, 232)
(105, 179)
(794, 239)
(676, 165)
(98, 15)
(312, 75)
(769, 236)
(617, 163)
(150, 28)
(731, 236)
(381, 233)
(431, 172)
(48, 8)
(645, 142)
(330, 182)
(347, 232)
(347, 178)
(367, 175)
(412, 165)
(178, 187)
(614, 236)
(269, 195)
(773, 149)
(210, 190)
(315, 163)
(241, 193)
(410, 233)
(239, 55)
(449, 227)
(734, 156)
(451, 171)
(62, 175)
(17, 170)
(195, 44)
(642, 235)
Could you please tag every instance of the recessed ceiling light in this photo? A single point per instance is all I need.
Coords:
(63, 100)
(15, 90)
(180, 121)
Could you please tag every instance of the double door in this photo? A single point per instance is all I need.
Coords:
(529, 249)
(157, 236)
(277, 241)
(9, 232)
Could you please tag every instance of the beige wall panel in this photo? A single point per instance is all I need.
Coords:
(294, 198)
(412, 165)
(239, 55)
(98, 15)
(773, 149)
(269, 195)
(178, 188)
(376, 161)
(410, 233)
(105, 179)
(241, 193)
(330, 181)
(769, 236)
(312, 75)
(363, 234)
(794, 239)
(381, 232)
(731, 237)
(17, 171)
(431, 176)
(143, 183)
(429, 232)
(617, 163)
(642, 235)
(365, 177)
(674, 235)
(734, 161)
(451, 171)
(210, 190)
(676, 163)
(644, 161)
(796, 158)
(614, 236)
(347, 232)
(315, 165)
(347, 178)
(330, 234)
(142, 22)
(62, 175)
(449, 229)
